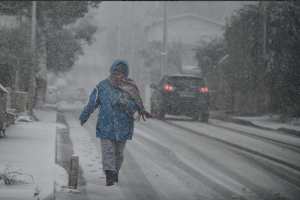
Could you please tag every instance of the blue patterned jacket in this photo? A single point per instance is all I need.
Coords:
(112, 122)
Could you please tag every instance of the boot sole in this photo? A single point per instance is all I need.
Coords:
(109, 183)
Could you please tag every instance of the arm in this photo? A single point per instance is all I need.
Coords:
(130, 105)
(93, 103)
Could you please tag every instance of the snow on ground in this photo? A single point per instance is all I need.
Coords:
(63, 105)
(259, 132)
(83, 146)
(30, 149)
(90, 160)
(268, 121)
(242, 141)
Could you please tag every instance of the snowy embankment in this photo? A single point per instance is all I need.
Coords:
(30, 148)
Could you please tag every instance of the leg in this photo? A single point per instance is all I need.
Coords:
(120, 145)
(108, 149)
(108, 154)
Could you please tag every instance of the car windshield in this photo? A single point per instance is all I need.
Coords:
(185, 81)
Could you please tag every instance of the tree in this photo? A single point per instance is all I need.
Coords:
(174, 58)
(242, 34)
(154, 59)
(52, 19)
(65, 45)
(283, 45)
(246, 69)
(15, 51)
(208, 54)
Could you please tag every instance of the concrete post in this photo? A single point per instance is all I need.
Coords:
(73, 176)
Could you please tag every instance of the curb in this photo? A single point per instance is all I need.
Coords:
(249, 123)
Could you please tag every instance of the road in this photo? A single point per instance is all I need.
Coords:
(180, 159)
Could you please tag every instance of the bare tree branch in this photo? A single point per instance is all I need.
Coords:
(291, 5)
(5, 6)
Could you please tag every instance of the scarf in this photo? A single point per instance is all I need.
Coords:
(130, 88)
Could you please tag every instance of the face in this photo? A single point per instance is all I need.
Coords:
(120, 71)
(119, 75)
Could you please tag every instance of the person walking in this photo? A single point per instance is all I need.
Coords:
(117, 98)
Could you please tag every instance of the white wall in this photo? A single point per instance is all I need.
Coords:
(188, 30)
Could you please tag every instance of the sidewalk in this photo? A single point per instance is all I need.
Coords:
(264, 122)
(30, 149)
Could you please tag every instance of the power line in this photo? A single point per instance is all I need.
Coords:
(146, 13)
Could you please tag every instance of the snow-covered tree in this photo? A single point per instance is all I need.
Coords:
(208, 54)
(248, 68)
(52, 20)
(283, 43)
(154, 59)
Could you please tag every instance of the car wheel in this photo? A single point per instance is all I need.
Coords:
(204, 117)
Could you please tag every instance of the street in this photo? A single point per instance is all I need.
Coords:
(182, 159)
(218, 83)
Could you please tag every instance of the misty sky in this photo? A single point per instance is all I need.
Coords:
(94, 65)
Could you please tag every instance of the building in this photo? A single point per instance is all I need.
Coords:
(189, 29)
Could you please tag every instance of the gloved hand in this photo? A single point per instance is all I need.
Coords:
(81, 123)
(121, 102)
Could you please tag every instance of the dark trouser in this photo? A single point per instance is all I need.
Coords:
(112, 154)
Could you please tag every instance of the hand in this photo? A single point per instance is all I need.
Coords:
(121, 102)
(81, 123)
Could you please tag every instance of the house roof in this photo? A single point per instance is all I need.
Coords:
(157, 21)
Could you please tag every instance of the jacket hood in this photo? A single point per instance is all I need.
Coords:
(113, 66)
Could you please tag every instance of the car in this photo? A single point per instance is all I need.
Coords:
(72, 94)
(24, 119)
(181, 94)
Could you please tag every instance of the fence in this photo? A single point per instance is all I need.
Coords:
(11, 104)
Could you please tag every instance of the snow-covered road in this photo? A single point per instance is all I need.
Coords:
(181, 159)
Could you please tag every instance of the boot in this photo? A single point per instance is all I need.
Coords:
(116, 177)
(109, 177)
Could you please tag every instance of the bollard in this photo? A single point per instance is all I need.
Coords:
(73, 176)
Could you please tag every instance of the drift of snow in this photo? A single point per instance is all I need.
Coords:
(30, 149)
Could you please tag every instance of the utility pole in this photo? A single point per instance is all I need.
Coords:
(261, 85)
(165, 48)
(119, 32)
(33, 61)
(132, 33)
(264, 31)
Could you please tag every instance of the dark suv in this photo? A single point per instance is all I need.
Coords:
(181, 95)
